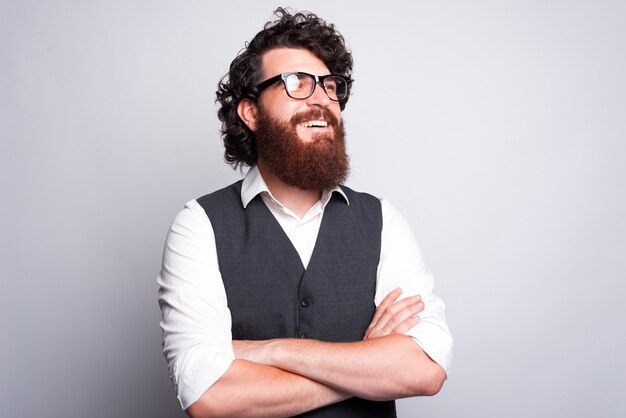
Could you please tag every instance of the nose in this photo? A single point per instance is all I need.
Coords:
(319, 97)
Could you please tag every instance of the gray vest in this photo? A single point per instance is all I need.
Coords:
(270, 293)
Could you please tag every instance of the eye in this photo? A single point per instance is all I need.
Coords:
(292, 83)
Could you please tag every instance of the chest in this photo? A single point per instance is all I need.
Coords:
(270, 294)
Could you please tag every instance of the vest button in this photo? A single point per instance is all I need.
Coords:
(304, 335)
(305, 302)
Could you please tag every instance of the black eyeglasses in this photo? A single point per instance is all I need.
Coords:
(301, 86)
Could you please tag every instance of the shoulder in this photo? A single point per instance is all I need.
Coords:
(194, 221)
(190, 221)
(226, 194)
(388, 211)
(360, 198)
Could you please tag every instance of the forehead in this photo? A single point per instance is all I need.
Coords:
(282, 60)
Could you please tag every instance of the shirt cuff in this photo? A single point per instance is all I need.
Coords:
(197, 372)
(435, 340)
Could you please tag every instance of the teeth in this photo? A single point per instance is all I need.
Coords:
(311, 123)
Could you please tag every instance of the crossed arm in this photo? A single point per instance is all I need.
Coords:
(284, 377)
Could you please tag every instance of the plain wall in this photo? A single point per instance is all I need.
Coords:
(496, 127)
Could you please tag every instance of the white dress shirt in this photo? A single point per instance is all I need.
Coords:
(196, 321)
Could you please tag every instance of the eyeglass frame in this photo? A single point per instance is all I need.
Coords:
(263, 85)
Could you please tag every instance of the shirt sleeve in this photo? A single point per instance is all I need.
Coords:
(402, 265)
(195, 319)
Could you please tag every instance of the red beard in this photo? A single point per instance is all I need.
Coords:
(319, 164)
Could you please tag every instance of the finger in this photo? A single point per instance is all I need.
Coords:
(394, 316)
(394, 309)
(406, 325)
(386, 303)
(402, 316)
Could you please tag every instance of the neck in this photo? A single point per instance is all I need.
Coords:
(296, 200)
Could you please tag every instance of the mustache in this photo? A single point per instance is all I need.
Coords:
(323, 113)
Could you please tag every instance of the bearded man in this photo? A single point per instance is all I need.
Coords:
(281, 293)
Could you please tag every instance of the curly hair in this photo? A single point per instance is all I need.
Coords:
(303, 30)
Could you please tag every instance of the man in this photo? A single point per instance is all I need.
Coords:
(269, 287)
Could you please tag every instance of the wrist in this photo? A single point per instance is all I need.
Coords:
(281, 352)
(275, 353)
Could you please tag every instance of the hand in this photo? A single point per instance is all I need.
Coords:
(393, 317)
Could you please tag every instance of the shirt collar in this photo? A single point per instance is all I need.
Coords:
(253, 184)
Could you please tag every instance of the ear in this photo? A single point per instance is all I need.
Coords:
(247, 111)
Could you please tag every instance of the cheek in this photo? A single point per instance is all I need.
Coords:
(336, 110)
(280, 110)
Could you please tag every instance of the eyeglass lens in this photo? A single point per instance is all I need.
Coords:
(301, 86)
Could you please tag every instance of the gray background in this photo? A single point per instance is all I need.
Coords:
(496, 127)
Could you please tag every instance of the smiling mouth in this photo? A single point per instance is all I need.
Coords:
(314, 124)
